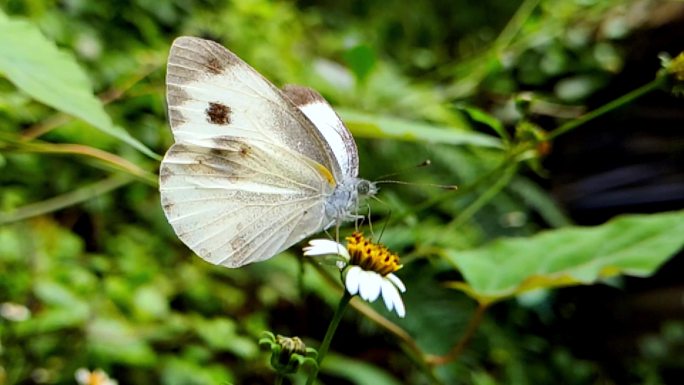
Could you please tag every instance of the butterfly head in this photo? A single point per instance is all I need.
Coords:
(365, 188)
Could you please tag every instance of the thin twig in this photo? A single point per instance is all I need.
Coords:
(622, 100)
(79, 149)
(457, 349)
(65, 200)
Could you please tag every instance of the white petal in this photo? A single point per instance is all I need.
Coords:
(388, 293)
(82, 375)
(351, 281)
(397, 282)
(392, 298)
(325, 247)
(399, 307)
(369, 285)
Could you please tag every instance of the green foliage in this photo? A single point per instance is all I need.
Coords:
(91, 274)
(379, 127)
(357, 372)
(631, 245)
(62, 84)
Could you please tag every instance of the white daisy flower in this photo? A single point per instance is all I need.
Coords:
(367, 269)
(96, 377)
(14, 312)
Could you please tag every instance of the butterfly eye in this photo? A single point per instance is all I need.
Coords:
(365, 188)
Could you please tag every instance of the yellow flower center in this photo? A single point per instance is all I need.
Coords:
(371, 256)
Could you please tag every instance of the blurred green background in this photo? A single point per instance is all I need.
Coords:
(91, 274)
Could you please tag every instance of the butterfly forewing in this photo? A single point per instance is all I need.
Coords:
(328, 123)
(211, 92)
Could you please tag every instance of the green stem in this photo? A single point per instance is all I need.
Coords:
(622, 100)
(466, 86)
(515, 24)
(337, 317)
(507, 174)
(71, 198)
(279, 379)
(483, 199)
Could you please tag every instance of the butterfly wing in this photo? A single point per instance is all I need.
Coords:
(237, 202)
(249, 173)
(211, 92)
(329, 124)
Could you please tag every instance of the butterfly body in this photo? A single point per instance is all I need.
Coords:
(254, 169)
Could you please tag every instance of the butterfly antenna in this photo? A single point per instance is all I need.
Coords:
(425, 163)
(449, 187)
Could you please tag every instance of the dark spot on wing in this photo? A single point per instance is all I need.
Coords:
(218, 113)
(217, 152)
(226, 142)
(225, 147)
(244, 150)
(214, 66)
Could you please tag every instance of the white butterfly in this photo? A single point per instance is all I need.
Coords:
(254, 168)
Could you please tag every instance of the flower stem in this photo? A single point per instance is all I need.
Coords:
(337, 317)
(279, 379)
(613, 104)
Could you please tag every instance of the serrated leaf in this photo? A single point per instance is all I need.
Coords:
(36, 66)
(381, 127)
(634, 245)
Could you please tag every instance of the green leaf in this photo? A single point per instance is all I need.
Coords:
(633, 245)
(52, 320)
(361, 59)
(176, 371)
(220, 334)
(483, 117)
(116, 341)
(535, 197)
(36, 66)
(371, 126)
(150, 303)
(356, 372)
